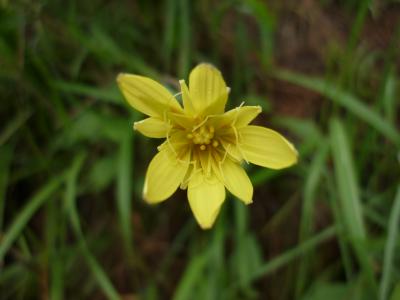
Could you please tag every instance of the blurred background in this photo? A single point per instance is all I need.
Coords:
(73, 224)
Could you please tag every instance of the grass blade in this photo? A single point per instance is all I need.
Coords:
(55, 235)
(266, 23)
(13, 126)
(190, 278)
(106, 94)
(27, 212)
(184, 46)
(343, 98)
(124, 190)
(295, 252)
(388, 262)
(263, 175)
(349, 199)
(389, 98)
(70, 198)
(170, 30)
(5, 160)
(287, 257)
(312, 183)
(346, 181)
(396, 292)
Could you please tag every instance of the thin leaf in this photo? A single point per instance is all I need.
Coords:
(124, 188)
(13, 126)
(346, 181)
(388, 262)
(389, 97)
(107, 94)
(70, 200)
(190, 278)
(349, 198)
(169, 30)
(26, 213)
(343, 98)
(185, 28)
(5, 160)
(266, 23)
(312, 183)
(289, 255)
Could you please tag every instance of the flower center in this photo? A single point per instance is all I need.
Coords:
(203, 137)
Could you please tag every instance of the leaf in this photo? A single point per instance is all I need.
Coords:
(345, 99)
(191, 277)
(70, 204)
(124, 188)
(26, 213)
(390, 248)
(346, 182)
(349, 198)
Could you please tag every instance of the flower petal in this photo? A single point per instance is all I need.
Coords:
(205, 198)
(266, 147)
(164, 175)
(237, 181)
(187, 101)
(239, 117)
(177, 142)
(146, 95)
(152, 127)
(207, 89)
(182, 120)
(232, 150)
(245, 115)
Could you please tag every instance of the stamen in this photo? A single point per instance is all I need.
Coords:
(225, 154)
(242, 153)
(236, 133)
(215, 143)
(202, 147)
(169, 142)
(201, 124)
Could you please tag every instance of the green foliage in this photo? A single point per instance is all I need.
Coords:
(72, 221)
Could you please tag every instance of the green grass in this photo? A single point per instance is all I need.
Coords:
(73, 224)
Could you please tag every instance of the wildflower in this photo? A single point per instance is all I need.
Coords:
(203, 145)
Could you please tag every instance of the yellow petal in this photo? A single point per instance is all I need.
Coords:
(266, 147)
(237, 181)
(245, 115)
(177, 142)
(207, 89)
(239, 117)
(187, 101)
(185, 181)
(205, 198)
(229, 138)
(152, 127)
(147, 96)
(164, 175)
(232, 150)
(182, 120)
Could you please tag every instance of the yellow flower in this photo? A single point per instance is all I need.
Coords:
(204, 145)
